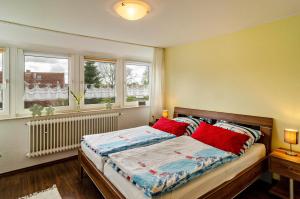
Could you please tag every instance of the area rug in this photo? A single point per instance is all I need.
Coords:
(50, 193)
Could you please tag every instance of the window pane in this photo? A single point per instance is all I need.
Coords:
(137, 82)
(1, 80)
(46, 81)
(100, 82)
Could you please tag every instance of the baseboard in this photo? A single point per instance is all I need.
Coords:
(38, 166)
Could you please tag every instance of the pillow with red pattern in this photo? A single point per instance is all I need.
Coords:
(171, 126)
(220, 138)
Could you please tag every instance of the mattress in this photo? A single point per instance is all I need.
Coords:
(95, 158)
(198, 186)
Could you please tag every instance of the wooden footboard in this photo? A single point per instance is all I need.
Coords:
(107, 189)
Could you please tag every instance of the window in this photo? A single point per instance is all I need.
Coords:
(137, 83)
(4, 88)
(1, 79)
(46, 80)
(99, 81)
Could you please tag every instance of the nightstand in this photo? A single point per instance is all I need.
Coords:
(287, 166)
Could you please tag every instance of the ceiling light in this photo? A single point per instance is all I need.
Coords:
(132, 9)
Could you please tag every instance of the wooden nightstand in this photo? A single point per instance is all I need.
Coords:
(287, 166)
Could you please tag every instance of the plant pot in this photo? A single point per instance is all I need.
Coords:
(78, 107)
(108, 106)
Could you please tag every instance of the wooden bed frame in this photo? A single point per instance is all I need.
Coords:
(229, 189)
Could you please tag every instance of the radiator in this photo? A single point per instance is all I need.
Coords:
(61, 133)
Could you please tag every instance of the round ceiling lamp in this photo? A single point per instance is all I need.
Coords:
(132, 9)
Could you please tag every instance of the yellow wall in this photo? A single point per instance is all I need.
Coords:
(254, 71)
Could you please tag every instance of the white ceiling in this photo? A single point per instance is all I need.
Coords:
(171, 22)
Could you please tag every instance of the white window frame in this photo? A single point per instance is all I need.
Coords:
(20, 91)
(117, 84)
(141, 63)
(5, 77)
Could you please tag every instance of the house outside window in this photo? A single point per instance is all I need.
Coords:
(46, 81)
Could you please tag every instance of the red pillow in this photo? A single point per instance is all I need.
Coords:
(171, 126)
(220, 138)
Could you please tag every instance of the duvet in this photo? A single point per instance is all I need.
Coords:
(162, 167)
(116, 141)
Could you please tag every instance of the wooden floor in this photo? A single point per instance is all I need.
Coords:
(66, 177)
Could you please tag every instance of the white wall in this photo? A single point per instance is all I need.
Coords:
(14, 139)
(13, 132)
(35, 39)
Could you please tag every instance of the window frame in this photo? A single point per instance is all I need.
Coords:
(6, 81)
(14, 68)
(82, 81)
(20, 87)
(141, 63)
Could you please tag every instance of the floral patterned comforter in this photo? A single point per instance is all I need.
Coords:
(106, 143)
(162, 167)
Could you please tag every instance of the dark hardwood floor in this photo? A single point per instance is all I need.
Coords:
(66, 177)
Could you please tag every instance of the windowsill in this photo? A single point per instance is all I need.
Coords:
(67, 112)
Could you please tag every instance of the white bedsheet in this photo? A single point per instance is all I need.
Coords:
(95, 158)
(196, 187)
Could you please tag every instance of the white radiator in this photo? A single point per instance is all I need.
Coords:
(61, 133)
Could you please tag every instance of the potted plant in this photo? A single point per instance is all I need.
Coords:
(108, 104)
(49, 110)
(78, 99)
(36, 110)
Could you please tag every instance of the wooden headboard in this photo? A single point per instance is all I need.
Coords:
(263, 123)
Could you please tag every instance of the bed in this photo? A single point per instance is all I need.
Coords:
(237, 177)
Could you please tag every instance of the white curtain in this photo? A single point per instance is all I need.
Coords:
(157, 84)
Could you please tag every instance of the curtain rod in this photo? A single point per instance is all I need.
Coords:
(88, 58)
(72, 34)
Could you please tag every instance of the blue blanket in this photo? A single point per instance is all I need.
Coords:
(162, 167)
(107, 143)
